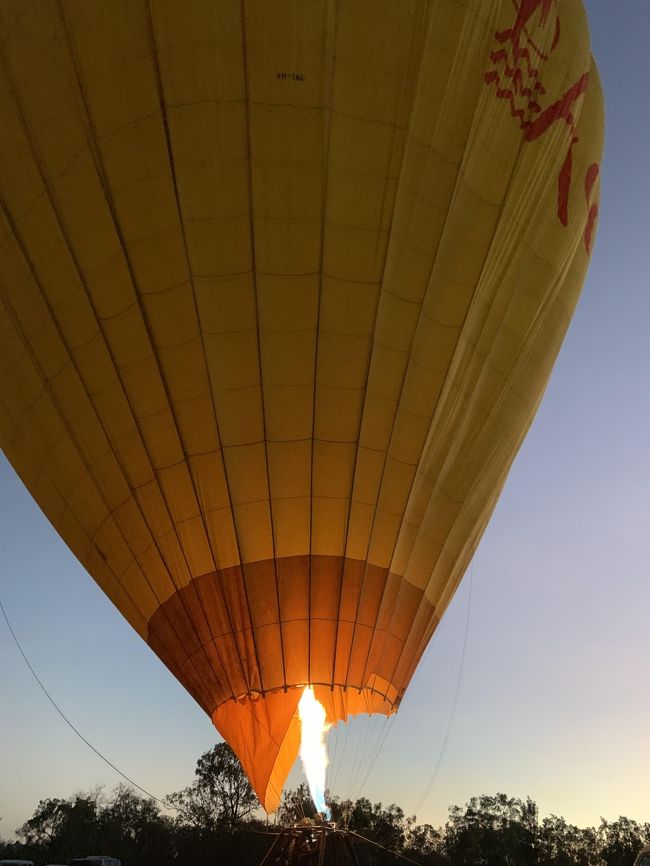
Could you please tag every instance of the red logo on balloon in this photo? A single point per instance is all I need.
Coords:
(517, 76)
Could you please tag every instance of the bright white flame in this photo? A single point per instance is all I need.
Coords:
(313, 751)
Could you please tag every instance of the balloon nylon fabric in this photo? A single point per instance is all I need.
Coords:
(281, 287)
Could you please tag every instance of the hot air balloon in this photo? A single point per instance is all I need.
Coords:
(282, 284)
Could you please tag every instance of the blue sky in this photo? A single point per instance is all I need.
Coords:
(553, 700)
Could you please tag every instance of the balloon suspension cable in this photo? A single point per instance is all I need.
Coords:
(69, 723)
(454, 703)
(396, 854)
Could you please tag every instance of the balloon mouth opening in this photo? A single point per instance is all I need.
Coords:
(265, 730)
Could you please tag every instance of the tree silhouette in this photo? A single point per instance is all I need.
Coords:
(216, 823)
(221, 794)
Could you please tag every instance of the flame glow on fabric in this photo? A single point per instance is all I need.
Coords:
(281, 287)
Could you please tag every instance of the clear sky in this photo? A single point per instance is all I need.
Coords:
(553, 701)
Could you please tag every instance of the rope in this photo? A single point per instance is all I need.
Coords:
(372, 743)
(69, 723)
(345, 733)
(384, 848)
(452, 711)
(387, 729)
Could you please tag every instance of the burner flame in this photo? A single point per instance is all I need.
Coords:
(313, 751)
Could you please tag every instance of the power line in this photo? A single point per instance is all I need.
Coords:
(69, 723)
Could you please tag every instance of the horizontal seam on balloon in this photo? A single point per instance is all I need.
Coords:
(28, 210)
(19, 361)
(221, 274)
(311, 273)
(217, 217)
(370, 121)
(256, 215)
(378, 229)
(131, 123)
(344, 687)
(276, 623)
(111, 316)
(427, 145)
(87, 269)
(216, 101)
(71, 161)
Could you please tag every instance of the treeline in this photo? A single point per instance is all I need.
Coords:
(216, 820)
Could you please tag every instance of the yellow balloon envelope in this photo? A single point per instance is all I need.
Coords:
(282, 284)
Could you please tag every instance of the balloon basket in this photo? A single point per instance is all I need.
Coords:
(311, 845)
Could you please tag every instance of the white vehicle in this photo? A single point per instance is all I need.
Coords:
(643, 857)
(96, 860)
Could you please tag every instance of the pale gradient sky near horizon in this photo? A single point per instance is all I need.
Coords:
(554, 698)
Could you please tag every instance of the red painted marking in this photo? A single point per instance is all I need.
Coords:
(560, 110)
(509, 95)
(527, 9)
(517, 80)
(556, 35)
(592, 216)
(564, 185)
(502, 54)
(590, 179)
